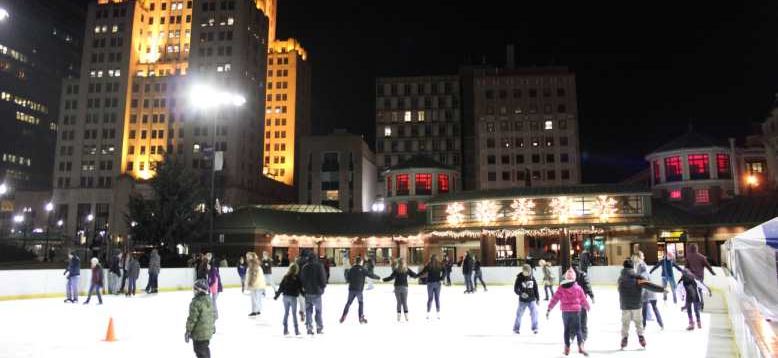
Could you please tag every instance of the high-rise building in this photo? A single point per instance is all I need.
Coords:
(337, 170)
(287, 109)
(40, 45)
(161, 78)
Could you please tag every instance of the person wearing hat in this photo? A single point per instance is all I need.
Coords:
(572, 300)
(96, 282)
(200, 323)
(527, 289)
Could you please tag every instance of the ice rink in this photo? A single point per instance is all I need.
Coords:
(478, 324)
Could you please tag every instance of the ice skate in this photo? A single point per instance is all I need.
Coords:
(623, 342)
(342, 318)
(699, 324)
(437, 315)
(406, 317)
(567, 350)
(691, 326)
(320, 331)
(642, 341)
(362, 320)
(286, 331)
(398, 317)
(581, 350)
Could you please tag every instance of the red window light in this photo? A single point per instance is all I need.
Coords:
(423, 184)
(657, 178)
(722, 166)
(388, 185)
(402, 210)
(442, 183)
(402, 184)
(673, 168)
(421, 206)
(675, 194)
(701, 196)
(698, 166)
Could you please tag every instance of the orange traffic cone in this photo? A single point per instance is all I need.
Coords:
(109, 334)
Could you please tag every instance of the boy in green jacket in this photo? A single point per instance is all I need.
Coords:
(200, 324)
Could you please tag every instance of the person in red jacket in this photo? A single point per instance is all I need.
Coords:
(572, 300)
(97, 281)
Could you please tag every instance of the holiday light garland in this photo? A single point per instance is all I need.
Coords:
(504, 233)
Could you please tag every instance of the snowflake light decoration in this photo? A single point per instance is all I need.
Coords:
(560, 207)
(454, 213)
(522, 209)
(605, 207)
(486, 211)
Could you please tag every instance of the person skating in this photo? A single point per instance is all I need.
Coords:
(355, 276)
(290, 287)
(467, 273)
(155, 266)
(214, 282)
(202, 263)
(200, 323)
(434, 274)
(400, 275)
(125, 265)
(692, 290)
(548, 278)
(255, 283)
(630, 286)
(314, 281)
(72, 273)
(300, 260)
(697, 263)
(369, 264)
(648, 297)
(242, 273)
(448, 265)
(133, 272)
(572, 300)
(582, 279)
(668, 277)
(267, 270)
(526, 288)
(477, 275)
(96, 282)
(114, 274)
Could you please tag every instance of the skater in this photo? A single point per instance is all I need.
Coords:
(548, 278)
(668, 277)
(400, 275)
(582, 279)
(291, 287)
(692, 290)
(697, 263)
(370, 266)
(572, 299)
(242, 273)
(73, 273)
(154, 268)
(434, 272)
(133, 272)
(448, 265)
(214, 282)
(114, 274)
(301, 261)
(477, 276)
(314, 282)
(200, 323)
(467, 272)
(647, 297)
(630, 286)
(97, 281)
(355, 276)
(267, 270)
(527, 289)
(255, 283)
(125, 264)
(201, 267)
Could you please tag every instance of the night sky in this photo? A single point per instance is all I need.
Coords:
(645, 70)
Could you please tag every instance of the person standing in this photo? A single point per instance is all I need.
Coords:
(582, 279)
(125, 264)
(648, 297)
(200, 325)
(434, 272)
(448, 265)
(572, 300)
(314, 282)
(548, 278)
(478, 276)
(267, 270)
(400, 275)
(97, 281)
(255, 283)
(155, 265)
(72, 273)
(370, 266)
(202, 265)
(630, 286)
(355, 276)
(114, 274)
(667, 264)
(290, 287)
(133, 272)
(692, 292)
(242, 273)
(697, 263)
(526, 288)
(214, 283)
(467, 272)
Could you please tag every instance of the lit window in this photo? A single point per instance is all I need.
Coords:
(421, 116)
(701, 196)
(115, 28)
(407, 117)
(387, 131)
(421, 206)
(332, 195)
(196, 148)
(548, 125)
(230, 21)
(443, 186)
(675, 194)
(402, 184)
(423, 184)
(402, 210)
(673, 168)
(657, 177)
(722, 166)
(698, 166)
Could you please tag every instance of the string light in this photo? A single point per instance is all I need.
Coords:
(505, 233)
(486, 211)
(522, 209)
(454, 214)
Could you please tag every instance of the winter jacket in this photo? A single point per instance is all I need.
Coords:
(467, 265)
(290, 286)
(133, 269)
(630, 292)
(199, 324)
(697, 263)
(526, 288)
(215, 279)
(548, 277)
(571, 298)
(582, 279)
(254, 278)
(313, 277)
(433, 274)
(355, 276)
(74, 267)
(267, 266)
(400, 278)
(242, 270)
(667, 266)
(115, 267)
(97, 275)
(154, 264)
(201, 269)
(646, 295)
(477, 268)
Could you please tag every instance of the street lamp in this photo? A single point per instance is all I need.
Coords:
(208, 97)
(4, 15)
(49, 208)
(19, 218)
(89, 219)
(752, 181)
(3, 189)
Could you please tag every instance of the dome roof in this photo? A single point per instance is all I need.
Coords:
(690, 140)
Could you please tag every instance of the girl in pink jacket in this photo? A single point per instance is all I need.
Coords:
(572, 299)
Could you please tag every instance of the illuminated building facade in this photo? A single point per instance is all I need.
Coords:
(133, 103)
(287, 109)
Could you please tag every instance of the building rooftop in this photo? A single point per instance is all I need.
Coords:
(419, 161)
(300, 208)
(584, 189)
(690, 139)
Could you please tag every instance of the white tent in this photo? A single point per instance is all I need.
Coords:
(753, 260)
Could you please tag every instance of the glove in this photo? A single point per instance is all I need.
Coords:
(187, 335)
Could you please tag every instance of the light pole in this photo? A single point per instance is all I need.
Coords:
(206, 97)
(3, 190)
(49, 208)
(89, 219)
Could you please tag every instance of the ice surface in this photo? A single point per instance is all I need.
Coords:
(478, 324)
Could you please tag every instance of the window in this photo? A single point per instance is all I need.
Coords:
(407, 116)
(698, 166)
(722, 166)
(701, 196)
(490, 159)
(402, 210)
(402, 184)
(657, 177)
(443, 185)
(387, 131)
(564, 158)
(506, 176)
(565, 174)
(551, 175)
(388, 182)
(673, 169)
(548, 125)
(754, 167)
(421, 206)
(675, 194)
(423, 184)
(491, 176)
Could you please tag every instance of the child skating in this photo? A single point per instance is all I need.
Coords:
(572, 299)
(200, 323)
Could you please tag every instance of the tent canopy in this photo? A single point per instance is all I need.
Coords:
(753, 259)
